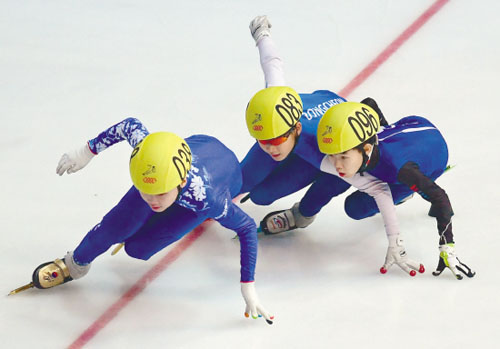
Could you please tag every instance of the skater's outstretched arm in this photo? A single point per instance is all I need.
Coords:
(130, 129)
(234, 218)
(381, 193)
(270, 61)
(411, 175)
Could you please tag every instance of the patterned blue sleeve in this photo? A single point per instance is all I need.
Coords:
(130, 129)
(233, 217)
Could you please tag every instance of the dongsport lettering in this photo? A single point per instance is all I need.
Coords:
(321, 108)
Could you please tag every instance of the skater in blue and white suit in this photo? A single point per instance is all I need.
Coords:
(178, 184)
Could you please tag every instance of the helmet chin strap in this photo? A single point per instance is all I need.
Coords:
(296, 141)
(367, 158)
(182, 188)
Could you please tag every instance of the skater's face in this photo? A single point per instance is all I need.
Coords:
(280, 147)
(161, 202)
(348, 163)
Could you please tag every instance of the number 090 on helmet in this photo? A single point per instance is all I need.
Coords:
(345, 126)
(159, 163)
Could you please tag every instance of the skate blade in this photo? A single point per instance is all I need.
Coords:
(21, 289)
(449, 167)
(117, 248)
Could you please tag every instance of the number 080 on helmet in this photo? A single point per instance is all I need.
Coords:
(272, 112)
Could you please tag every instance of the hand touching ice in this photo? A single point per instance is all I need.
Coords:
(253, 306)
(396, 254)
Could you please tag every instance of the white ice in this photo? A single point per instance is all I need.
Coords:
(69, 69)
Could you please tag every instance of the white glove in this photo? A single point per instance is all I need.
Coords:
(396, 254)
(259, 27)
(448, 258)
(74, 160)
(254, 307)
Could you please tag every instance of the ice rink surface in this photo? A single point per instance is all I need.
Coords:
(70, 69)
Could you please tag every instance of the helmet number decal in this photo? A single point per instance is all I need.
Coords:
(364, 124)
(183, 161)
(134, 152)
(290, 110)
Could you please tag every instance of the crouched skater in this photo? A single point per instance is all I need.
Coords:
(178, 184)
(387, 166)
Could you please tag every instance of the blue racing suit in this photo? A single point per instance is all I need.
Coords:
(411, 154)
(268, 180)
(212, 182)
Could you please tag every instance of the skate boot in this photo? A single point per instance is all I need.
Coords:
(371, 103)
(55, 273)
(280, 221)
(51, 274)
(58, 272)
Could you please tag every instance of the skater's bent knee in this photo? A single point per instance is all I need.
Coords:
(356, 212)
(262, 200)
(354, 215)
(135, 252)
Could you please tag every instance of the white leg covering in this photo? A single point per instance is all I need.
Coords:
(300, 220)
(76, 271)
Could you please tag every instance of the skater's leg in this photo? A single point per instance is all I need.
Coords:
(319, 194)
(293, 174)
(123, 221)
(162, 230)
(255, 167)
(360, 205)
(301, 215)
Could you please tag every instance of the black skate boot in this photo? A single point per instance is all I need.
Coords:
(371, 103)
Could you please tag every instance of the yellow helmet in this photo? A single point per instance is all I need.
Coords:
(345, 126)
(272, 112)
(159, 163)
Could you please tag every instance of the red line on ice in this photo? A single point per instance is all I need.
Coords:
(393, 47)
(139, 286)
(190, 238)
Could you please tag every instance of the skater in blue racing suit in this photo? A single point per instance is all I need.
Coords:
(178, 184)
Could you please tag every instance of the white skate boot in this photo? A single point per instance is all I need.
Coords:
(280, 221)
